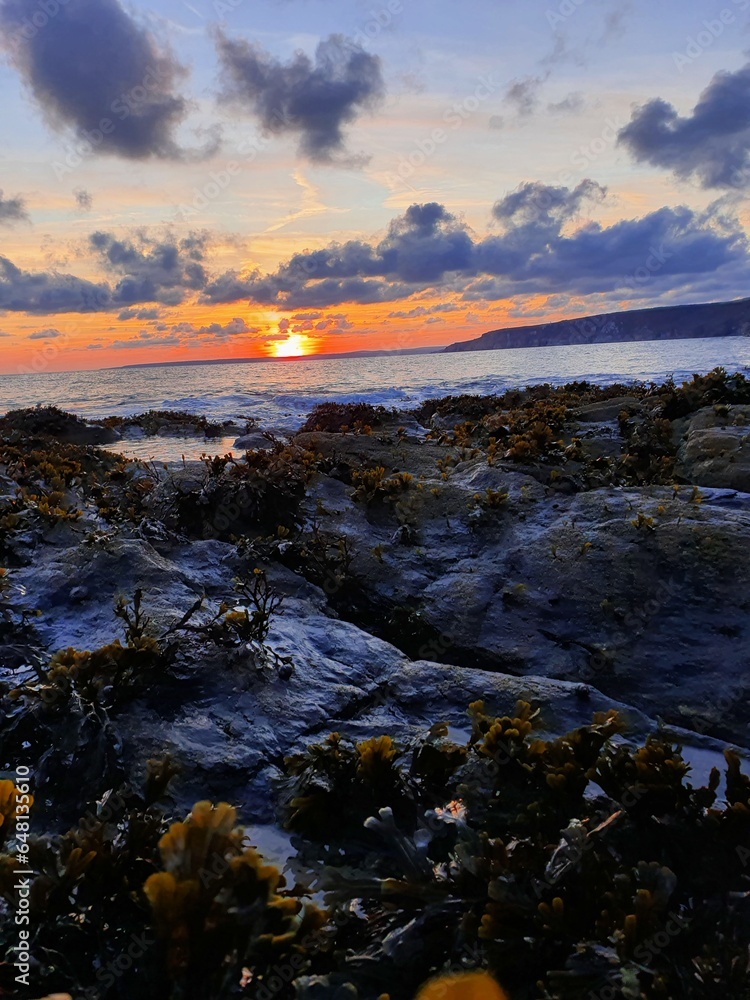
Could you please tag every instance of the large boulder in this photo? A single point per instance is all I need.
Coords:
(502, 574)
(715, 448)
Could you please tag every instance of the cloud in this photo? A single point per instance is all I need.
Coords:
(570, 105)
(315, 100)
(44, 293)
(91, 64)
(142, 314)
(183, 334)
(50, 334)
(419, 248)
(234, 328)
(12, 210)
(145, 339)
(144, 270)
(84, 201)
(711, 144)
(616, 22)
(419, 311)
(523, 94)
(541, 205)
(150, 270)
(543, 247)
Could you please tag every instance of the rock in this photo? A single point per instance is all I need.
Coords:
(225, 724)
(594, 587)
(253, 441)
(632, 598)
(446, 422)
(715, 449)
(607, 410)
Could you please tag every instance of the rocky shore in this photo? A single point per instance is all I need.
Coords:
(555, 554)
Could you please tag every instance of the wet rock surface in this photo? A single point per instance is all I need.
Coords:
(422, 569)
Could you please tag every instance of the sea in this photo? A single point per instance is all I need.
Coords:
(279, 394)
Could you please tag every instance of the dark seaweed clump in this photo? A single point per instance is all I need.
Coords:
(154, 422)
(338, 418)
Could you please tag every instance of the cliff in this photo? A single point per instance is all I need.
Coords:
(713, 319)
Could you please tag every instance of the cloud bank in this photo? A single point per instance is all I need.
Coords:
(539, 250)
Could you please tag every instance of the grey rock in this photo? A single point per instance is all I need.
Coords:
(715, 449)
(607, 410)
(253, 441)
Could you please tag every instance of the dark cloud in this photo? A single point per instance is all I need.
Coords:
(315, 100)
(419, 248)
(711, 144)
(50, 334)
(150, 270)
(84, 201)
(541, 205)
(90, 63)
(541, 249)
(12, 210)
(44, 293)
(143, 269)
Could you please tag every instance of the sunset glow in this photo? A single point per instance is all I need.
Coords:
(491, 185)
(294, 347)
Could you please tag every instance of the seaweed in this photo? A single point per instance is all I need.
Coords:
(340, 418)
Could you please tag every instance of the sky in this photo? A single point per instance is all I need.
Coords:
(187, 179)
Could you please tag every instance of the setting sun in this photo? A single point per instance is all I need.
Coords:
(294, 346)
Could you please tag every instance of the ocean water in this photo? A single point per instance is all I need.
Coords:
(279, 394)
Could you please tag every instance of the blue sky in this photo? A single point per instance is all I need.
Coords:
(201, 227)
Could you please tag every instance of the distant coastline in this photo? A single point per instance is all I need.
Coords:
(688, 322)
